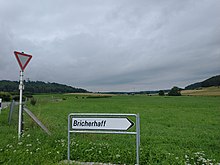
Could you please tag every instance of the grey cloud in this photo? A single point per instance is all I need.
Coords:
(112, 45)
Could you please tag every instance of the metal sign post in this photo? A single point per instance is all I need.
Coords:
(100, 123)
(20, 122)
(23, 59)
(11, 111)
(0, 105)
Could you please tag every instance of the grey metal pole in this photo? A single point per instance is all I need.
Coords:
(139, 130)
(137, 138)
(68, 149)
(21, 86)
(11, 111)
(0, 105)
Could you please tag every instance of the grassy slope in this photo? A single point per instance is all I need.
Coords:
(210, 91)
(172, 129)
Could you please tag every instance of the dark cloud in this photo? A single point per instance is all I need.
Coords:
(112, 45)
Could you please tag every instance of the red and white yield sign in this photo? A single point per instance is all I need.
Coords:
(23, 59)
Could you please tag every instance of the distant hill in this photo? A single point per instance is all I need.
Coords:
(202, 91)
(39, 87)
(213, 81)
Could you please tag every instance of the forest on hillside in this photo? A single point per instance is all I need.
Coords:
(213, 81)
(35, 87)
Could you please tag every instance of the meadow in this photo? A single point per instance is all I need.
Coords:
(174, 130)
(207, 91)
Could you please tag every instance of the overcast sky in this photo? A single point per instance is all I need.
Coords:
(112, 45)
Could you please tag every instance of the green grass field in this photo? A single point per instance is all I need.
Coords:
(174, 130)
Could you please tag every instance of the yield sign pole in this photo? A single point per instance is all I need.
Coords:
(23, 59)
(20, 122)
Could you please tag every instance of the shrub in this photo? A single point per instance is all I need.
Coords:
(5, 96)
(161, 93)
(98, 97)
(33, 101)
(175, 91)
(17, 98)
(28, 94)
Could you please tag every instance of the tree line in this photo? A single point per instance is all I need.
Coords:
(36, 87)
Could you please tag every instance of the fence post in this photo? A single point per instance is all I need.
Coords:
(0, 105)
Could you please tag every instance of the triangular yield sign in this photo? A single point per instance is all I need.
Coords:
(23, 59)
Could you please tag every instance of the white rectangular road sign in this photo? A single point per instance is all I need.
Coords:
(104, 123)
(92, 123)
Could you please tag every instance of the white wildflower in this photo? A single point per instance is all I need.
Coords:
(29, 145)
(118, 156)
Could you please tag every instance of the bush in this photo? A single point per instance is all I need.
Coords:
(33, 101)
(175, 91)
(5, 96)
(17, 98)
(161, 93)
(98, 97)
(28, 94)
